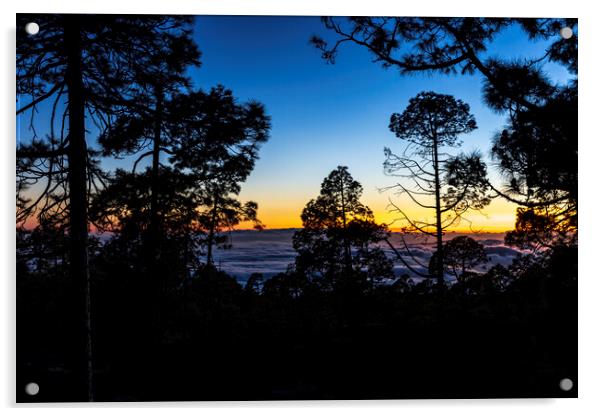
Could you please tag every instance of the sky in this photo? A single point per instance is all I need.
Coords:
(327, 115)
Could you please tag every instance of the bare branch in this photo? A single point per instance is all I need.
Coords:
(400, 257)
(40, 98)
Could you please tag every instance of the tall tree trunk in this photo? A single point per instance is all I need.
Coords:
(211, 236)
(347, 247)
(153, 269)
(440, 280)
(78, 205)
(153, 244)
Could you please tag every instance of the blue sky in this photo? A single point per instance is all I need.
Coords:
(327, 115)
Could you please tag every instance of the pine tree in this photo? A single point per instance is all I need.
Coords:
(339, 238)
(431, 123)
(82, 67)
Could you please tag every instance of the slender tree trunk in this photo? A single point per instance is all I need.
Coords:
(153, 246)
(347, 248)
(438, 213)
(78, 205)
(212, 231)
(154, 273)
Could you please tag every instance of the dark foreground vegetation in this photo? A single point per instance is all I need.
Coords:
(211, 339)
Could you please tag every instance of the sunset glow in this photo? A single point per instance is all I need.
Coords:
(498, 217)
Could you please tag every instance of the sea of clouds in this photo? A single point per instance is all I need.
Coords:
(270, 252)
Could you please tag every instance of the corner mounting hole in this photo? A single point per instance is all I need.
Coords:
(566, 32)
(32, 28)
(32, 389)
(566, 384)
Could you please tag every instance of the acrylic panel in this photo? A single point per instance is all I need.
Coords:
(295, 207)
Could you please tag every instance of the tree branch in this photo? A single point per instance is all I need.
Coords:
(40, 98)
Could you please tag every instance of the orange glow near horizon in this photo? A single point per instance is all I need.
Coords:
(498, 217)
(285, 210)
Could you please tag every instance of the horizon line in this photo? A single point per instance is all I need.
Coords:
(455, 231)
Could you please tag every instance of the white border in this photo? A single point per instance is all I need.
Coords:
(590, 285)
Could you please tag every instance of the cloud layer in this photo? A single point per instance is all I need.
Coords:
(270, 252)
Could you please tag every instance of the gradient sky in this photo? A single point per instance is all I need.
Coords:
(328, 115)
